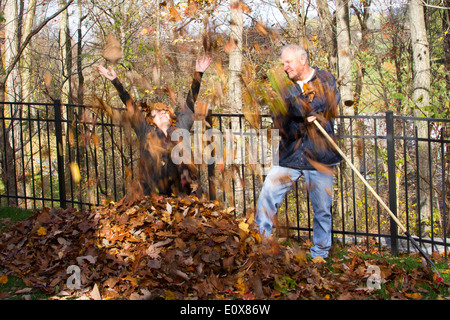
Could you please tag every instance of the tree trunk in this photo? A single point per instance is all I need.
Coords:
(235, 63)
(421, 98)
(65, 47)
(8, 165)
(26, 56)
(9, 87)
(8, 171)
(344, 55)
(80, 90)
(446, 42)
(10, 50)
(446, 45)
(235, 93)
(363, 15)
(329, 32)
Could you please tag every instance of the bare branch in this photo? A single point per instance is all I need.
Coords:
(28, 39)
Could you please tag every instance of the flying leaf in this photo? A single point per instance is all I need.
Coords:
(112, 50)
(48, 79)
(260, 28)
(75, 171)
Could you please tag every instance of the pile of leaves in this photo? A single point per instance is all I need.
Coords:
(176, 248)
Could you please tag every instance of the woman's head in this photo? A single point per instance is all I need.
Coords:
(161, 115)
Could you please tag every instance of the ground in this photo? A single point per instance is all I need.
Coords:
(189, 249)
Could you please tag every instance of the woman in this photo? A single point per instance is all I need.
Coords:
(157, 173)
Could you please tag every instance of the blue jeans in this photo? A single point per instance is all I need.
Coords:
(320, 185)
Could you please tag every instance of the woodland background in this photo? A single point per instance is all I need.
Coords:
(386, 55)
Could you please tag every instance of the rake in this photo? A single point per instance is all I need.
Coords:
(383, 204)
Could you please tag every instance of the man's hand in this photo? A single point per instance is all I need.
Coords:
(108, 74)
(203, 64)
(311, 119)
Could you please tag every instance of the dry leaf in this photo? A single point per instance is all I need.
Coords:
(318, 259)
(112, 50)
(3, 279)
(75, 171)
(126, 251)
(48, 79)
(41, 231)
(95, 293)
(243, 226)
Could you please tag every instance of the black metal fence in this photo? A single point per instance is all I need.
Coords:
(57, 155)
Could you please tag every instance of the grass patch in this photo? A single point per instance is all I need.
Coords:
(10, 215)
(397, 283)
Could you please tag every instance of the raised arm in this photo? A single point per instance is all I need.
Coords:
(111, 75)
(200, 67)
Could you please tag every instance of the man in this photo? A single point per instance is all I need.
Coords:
(157, 173)
(303, 150)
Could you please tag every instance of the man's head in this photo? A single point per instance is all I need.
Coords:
(295, 62)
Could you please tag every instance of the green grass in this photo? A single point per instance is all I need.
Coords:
(12, 215)
(409, 263)
(13, 288)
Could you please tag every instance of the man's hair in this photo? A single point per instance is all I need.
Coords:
(298, 50)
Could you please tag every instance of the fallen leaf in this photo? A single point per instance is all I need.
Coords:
(318, 259)
(3, 279)
(244, 226)
(41, 231)
(89, 258)
(415, 295)
(95, 293)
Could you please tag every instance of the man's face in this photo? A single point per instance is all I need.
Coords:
(294, 67)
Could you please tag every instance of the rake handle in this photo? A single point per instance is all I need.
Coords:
(393, 216)
(384, 205)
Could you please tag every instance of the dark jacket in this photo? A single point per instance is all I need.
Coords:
(301, 140)
(157, 173)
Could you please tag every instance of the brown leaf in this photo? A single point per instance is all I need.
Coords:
(112, 50)
(321, 167)
(95, 293)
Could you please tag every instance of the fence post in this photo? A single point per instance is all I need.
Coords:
(392, 179)
(211, 187)
(60, 153)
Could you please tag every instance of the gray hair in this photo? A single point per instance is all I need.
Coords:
(298, 50)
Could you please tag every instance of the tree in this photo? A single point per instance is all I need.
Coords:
(12, 54)
(10, 49)
(297, 22)
(344, 56)
(421, 99)
(362, 13)
(26, 57)
(329, 32)
(235, 62)
(66, 56)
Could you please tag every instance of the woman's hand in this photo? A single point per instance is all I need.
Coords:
(108, 74)
(203, 64)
